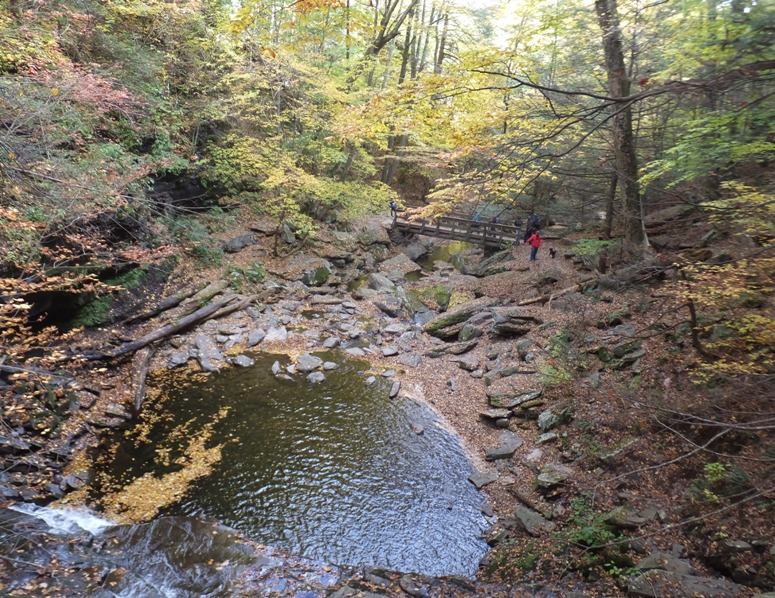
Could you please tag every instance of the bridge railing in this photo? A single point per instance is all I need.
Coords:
(463, 229)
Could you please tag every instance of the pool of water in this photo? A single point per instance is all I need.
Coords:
(449, 252)
(334, 471)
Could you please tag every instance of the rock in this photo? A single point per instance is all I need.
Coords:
(276, 368)
(394, 389)
(14, 446)
(658, 583)
(371, 380)
(244, 361)
(548, 437)
(610, 457)
(330, 365)
(389, 305)
(287, 234)
(623, 349)
(389, 351)
(256, 336)
(355, 352)
(668, 562)
(117, 410)
(454, 349)
(411, 359)
(469, 363)
(399, 264)
(414, 250)
(548, 420)
(317, 276)
(331, 342)
(316, 377)
(239, 243)
(373, 236)
(276, 334)
(494, 414)
(178, 358)
(624, 517)
(307, 363)
(532, 522)
(388, 374)
(495, 264)
(380, 283)
(532, 459)
(396, 328)
(548, 278)
(514, 368)
(209, 356)
(440, 325)
(411, 587)
(553, 474)
(511, 401)
(508, 443)
(627, 329)
(469, 331)
(72, 482)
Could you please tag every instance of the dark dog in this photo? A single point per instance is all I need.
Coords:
(552, 252)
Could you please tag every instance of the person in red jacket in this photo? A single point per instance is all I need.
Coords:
(535, 242)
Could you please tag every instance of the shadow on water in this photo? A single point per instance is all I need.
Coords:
(333, 471)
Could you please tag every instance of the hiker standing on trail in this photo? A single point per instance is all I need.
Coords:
(533, 224)
(518, 226)
(535, 242)
(393, 209)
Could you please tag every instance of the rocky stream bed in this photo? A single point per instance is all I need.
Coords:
(475, 345)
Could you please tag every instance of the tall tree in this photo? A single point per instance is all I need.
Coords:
(623, 137)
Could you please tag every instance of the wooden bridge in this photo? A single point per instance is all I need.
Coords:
(487, 234)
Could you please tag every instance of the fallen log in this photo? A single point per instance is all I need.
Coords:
(162, 306)
(229, 309)
(200, 315)
(196, 301)
(38, 373)
(141, 364)
(551, 297)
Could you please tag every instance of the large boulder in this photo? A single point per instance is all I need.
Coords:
(318, 275)
(441, 326)
(508, 443)
(399, 264)
(380, 283)
(495, 264)
(239, 243)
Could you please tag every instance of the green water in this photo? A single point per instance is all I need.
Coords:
(449, 252)
(333, 471)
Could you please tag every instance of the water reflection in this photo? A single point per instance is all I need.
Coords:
(334, 471)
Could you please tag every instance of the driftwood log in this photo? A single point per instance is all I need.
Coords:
(200, 315)
(162, 306)
(192, 304)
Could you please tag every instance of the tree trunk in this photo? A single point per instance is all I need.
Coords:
(609, 208)
(623, 136)
(441, 47)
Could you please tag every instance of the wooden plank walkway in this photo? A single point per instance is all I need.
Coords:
(487, 234)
